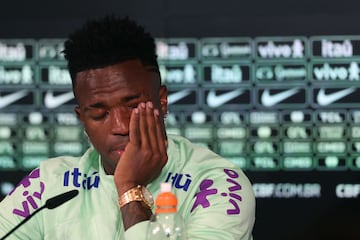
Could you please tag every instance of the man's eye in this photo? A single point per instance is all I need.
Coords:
(98, 115)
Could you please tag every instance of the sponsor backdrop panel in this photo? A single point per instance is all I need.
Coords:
(285, 109)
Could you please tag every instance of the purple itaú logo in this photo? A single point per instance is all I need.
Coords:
(29, 197)
(233, 198)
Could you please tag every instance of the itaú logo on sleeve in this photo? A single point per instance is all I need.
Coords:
(78, 179)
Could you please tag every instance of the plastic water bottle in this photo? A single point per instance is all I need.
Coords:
(166, 223)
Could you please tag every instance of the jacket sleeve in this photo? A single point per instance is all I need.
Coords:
(19, 204)
(223, 206)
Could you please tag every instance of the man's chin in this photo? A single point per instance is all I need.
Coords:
(110, 162)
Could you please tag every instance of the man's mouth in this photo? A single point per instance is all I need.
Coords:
(119, 152)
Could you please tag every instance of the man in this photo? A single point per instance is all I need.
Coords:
(121, 105)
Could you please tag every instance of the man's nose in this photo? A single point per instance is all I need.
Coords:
(120, 120)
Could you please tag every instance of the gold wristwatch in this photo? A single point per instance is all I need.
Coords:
(138, 193)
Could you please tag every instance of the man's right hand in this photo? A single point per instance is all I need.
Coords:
(145, 154)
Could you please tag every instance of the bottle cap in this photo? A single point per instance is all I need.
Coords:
(165, 187)
(166, 201)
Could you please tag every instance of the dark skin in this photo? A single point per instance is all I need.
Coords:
(121, 108)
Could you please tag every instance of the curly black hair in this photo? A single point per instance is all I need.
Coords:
(106, 41)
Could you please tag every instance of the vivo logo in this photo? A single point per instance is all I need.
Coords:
(16, 75)
(182, 74)
(231, 192)
(30, 196)
(285, 50)
(333, 72)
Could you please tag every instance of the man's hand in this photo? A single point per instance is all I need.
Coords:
(145, 155)
(143, 158)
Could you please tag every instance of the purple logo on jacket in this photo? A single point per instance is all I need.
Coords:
(29, 197)
(231, 194)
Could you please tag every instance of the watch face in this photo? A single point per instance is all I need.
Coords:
(147, 197)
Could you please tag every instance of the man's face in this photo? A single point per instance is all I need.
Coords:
(106, 97)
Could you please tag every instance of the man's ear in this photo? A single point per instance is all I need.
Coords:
(163, 99)
(78, 113)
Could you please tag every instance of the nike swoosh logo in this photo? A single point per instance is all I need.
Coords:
(269, 100)
(214, 100)
(174, 97)
(12, 97)
(52, 101)
(325, 99)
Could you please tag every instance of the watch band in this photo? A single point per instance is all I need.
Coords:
(133, 194)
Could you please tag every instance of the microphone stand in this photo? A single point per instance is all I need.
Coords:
(22, 222)
(51, 203)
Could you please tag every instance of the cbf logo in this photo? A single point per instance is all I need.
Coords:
(78, 179)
